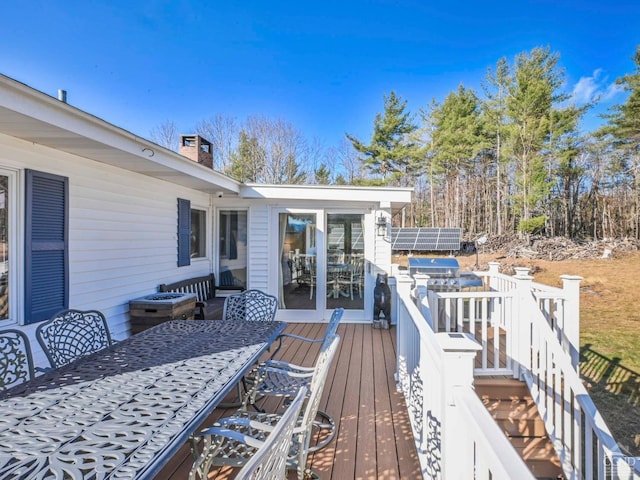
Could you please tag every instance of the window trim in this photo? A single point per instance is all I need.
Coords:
(16, 225)
(205, 215)
(183, 224)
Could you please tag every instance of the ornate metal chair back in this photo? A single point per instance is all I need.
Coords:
(71, 334)
(332, 327)
(270, 461)
(16, 364)
(250, 306)
(317, 386)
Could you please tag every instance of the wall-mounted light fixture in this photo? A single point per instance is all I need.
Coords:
(381, 226)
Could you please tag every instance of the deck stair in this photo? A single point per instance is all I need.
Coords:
(510, 403)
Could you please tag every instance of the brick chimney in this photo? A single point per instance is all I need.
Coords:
(197, 149)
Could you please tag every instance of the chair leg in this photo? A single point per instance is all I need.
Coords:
(235, 403)
(326, 422)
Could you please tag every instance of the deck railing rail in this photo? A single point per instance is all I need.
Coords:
(510, 326)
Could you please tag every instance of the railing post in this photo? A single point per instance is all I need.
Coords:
(521, 321)
(393, 283)
(494, 270)
(571, 287)
(402, 288)
(459, 353)
(420, 293)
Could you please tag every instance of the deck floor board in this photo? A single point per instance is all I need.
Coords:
(373, 433)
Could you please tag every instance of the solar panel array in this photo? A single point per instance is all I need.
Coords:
(425, 239)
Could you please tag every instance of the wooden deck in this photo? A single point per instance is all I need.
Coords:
(374, 438)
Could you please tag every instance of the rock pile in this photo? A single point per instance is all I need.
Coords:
(557, 248)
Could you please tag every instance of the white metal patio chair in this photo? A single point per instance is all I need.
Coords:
(351, 278)
(71, 334)
(273, 378)
(270, 459)
(248, 306)
(210, 450)
(269, 379)
(16, 364)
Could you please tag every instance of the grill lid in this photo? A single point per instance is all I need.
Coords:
(441, 267)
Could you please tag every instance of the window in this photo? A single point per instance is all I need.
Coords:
(198, 233)
(192, 233)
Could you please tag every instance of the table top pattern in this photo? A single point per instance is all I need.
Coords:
(124, 411)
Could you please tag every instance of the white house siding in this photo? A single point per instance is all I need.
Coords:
(122, 231)
(259, 244)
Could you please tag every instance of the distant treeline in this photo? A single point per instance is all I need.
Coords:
(511, 159)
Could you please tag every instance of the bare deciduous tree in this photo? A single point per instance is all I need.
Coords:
(166, 134)
(222, 131)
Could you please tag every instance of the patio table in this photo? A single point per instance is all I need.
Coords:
(124, 412)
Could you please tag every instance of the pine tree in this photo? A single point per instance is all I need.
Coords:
(392, 153)
(624, 129)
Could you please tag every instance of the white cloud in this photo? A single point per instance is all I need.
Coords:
(588, 88)
(595, 87)
(612, 90)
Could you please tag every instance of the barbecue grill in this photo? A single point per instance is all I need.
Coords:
(444, 274)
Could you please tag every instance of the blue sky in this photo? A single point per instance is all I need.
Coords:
(323, 66)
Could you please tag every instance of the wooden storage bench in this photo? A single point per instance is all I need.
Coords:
(204, 288)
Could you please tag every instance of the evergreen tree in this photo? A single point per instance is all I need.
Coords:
(456, 142)
(533, 91)
(249, 159)
(624, 120)
(392, 153)
(322, 175)
(624, 129)
(496, 87)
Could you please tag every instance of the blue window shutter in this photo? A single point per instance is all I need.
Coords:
(184, 232)
(46, 245)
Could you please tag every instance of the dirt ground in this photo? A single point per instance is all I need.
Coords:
(609, 330)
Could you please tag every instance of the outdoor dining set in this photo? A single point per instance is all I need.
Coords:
(121, 409)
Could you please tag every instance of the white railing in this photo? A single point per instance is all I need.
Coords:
(454, 434)
(528, 331)
(580, 436)
(486, 316)
(561, 309)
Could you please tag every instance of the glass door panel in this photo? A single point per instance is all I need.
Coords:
(345, 261)
(298, 267)
(232, 244)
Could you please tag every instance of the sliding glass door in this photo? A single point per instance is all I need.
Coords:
(345, 261)
(298, 267)
(320, 264)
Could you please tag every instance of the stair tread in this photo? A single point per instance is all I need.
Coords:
(509, 402)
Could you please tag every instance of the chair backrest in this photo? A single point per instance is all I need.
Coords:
(250, 306)
(16, 364)
(71, 334)
(270, 461)
(332, 327)
(316, 388)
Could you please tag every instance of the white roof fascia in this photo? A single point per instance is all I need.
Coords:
(383, 196)
(35, 117)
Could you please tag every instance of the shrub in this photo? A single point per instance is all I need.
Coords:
(533, 225)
